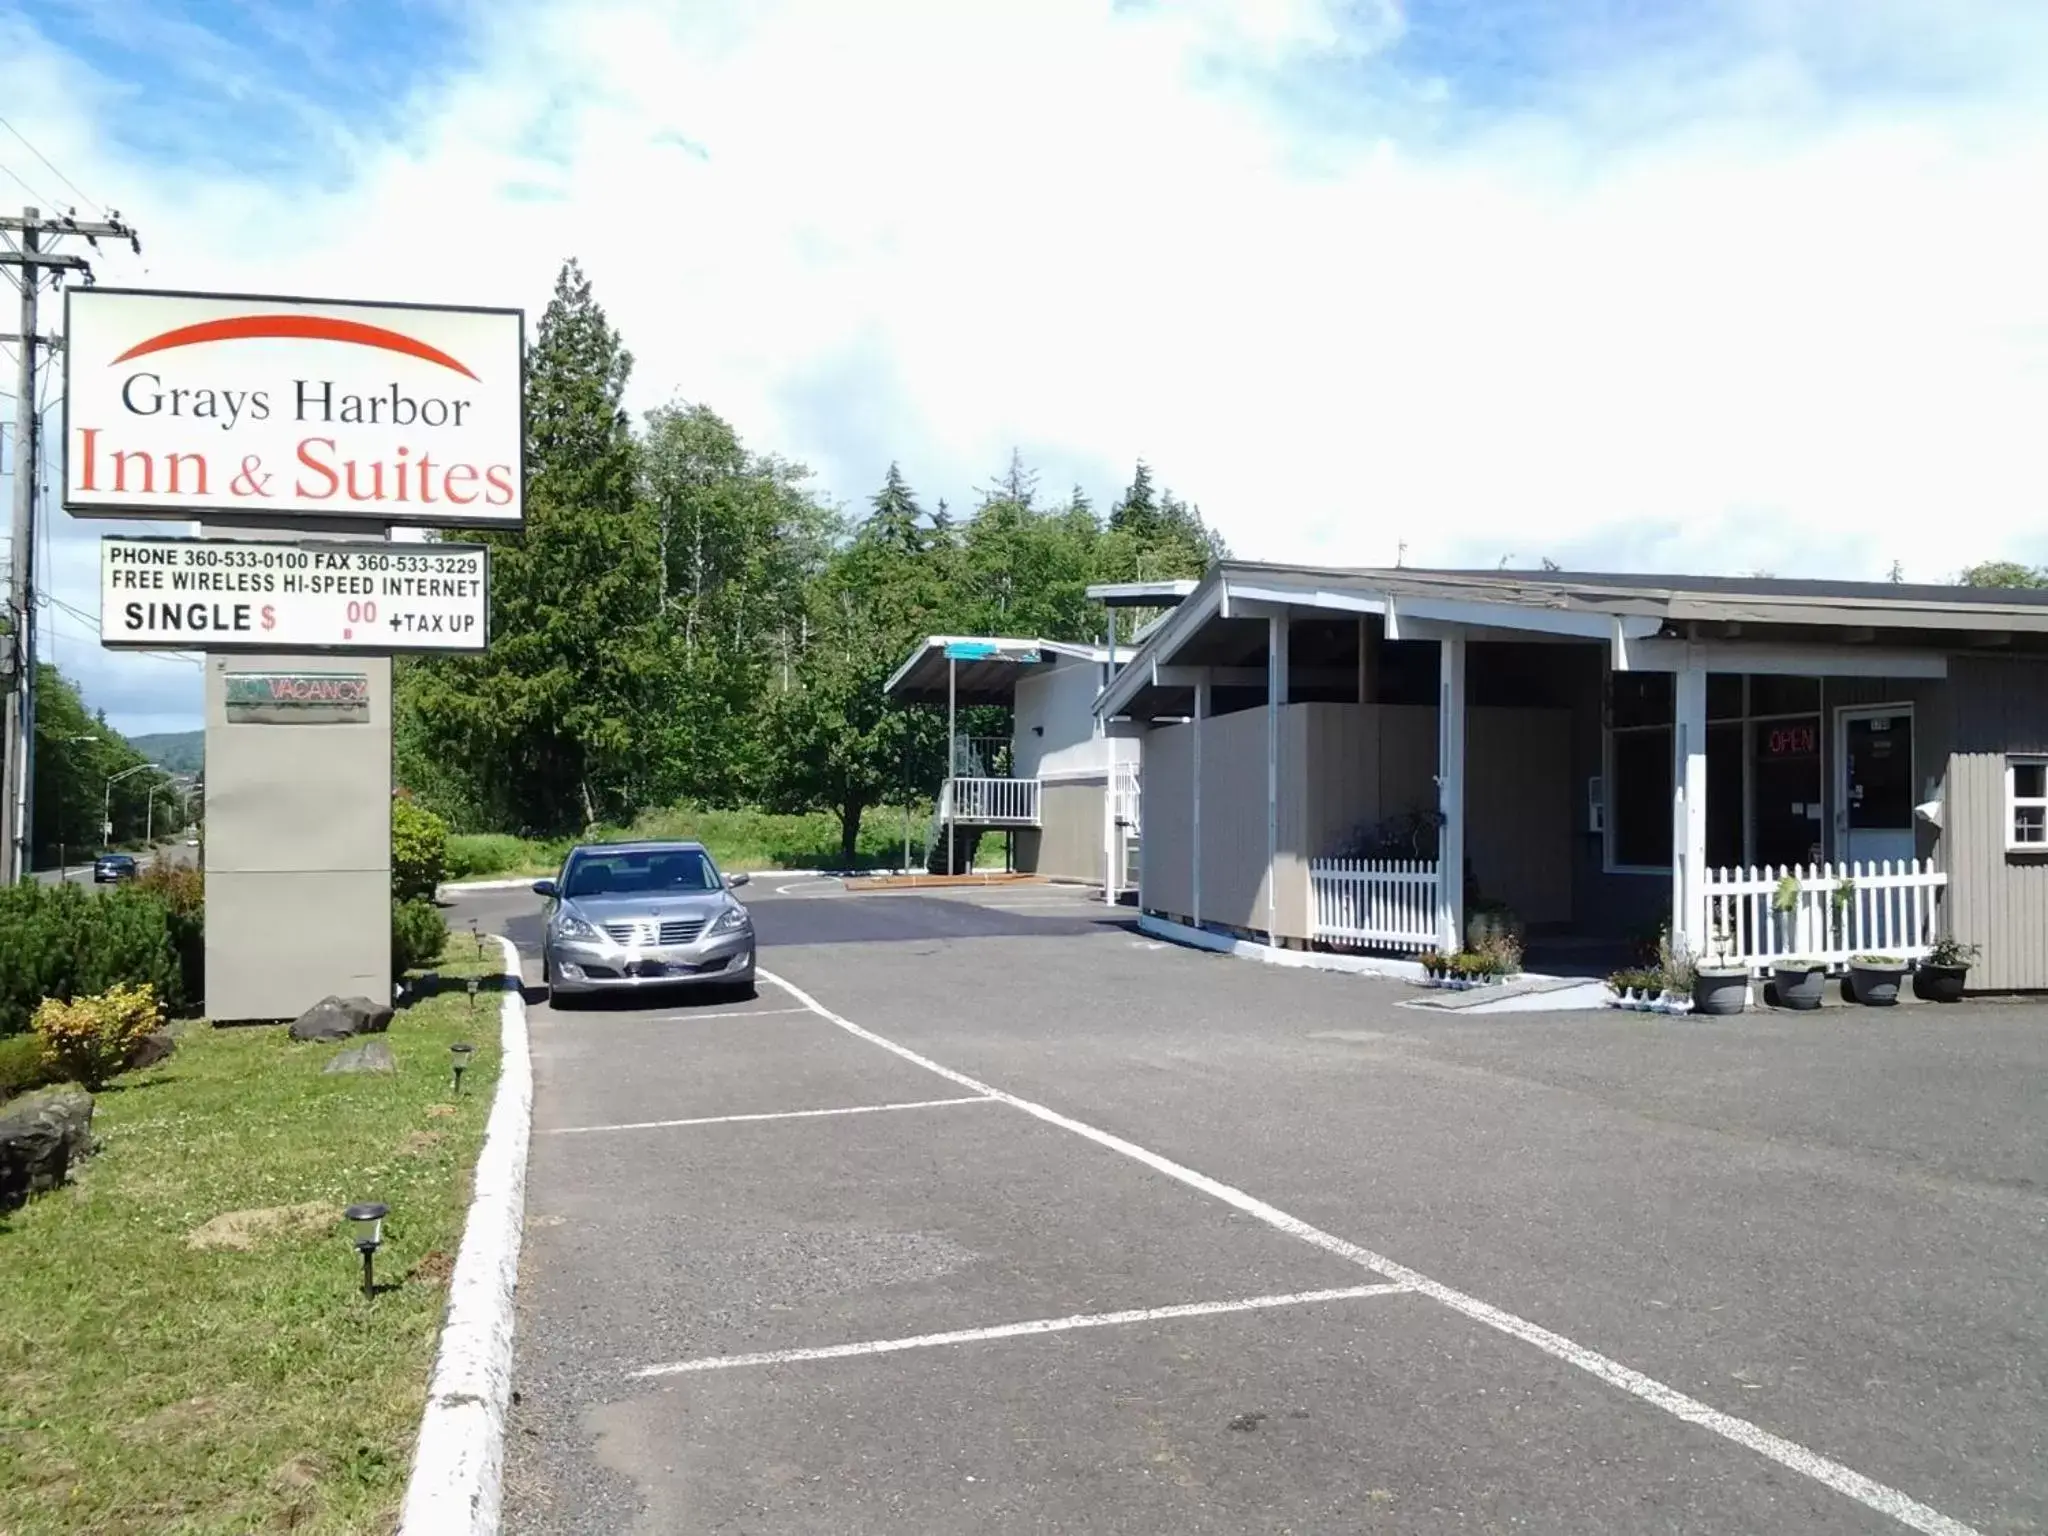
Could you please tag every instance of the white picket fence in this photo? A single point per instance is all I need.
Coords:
(990, 802)
(1892, 907)
(1386, 903)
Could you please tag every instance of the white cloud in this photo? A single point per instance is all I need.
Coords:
(1757, 298)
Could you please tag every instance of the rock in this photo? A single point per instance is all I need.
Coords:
(153, 1050)
(339, 1018)
(41, 1135)
(370, 1056)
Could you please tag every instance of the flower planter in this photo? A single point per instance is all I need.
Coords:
(1876, 986)
(1720, 991)
(1800, 986)
(1939, 983)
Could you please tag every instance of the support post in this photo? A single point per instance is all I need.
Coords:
(1195, 854)
(17, 857)
(1450, 792)
(952, 755)
(1110, 830)
(1368, 661)
(1689, 809)
(1276, 695)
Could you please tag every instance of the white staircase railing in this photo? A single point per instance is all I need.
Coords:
(1124, 784)
(990, 802)
(1387, 903)
(1878, 907)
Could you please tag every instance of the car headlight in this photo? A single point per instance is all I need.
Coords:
(731, 920)
(569, 926)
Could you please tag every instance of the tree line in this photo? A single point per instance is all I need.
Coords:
(87, 772)
(687, 619)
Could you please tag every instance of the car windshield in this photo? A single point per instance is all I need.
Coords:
(649, 872)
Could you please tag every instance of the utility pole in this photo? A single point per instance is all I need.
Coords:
(26, 253)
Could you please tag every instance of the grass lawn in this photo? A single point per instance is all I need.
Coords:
(737, 840)
(151, 1384)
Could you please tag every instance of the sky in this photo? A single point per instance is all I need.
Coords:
(1697, 285)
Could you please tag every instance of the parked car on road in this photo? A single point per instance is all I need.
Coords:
(629, 915)
(111, 867)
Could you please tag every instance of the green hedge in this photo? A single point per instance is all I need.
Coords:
(64, 941)
(419, 851)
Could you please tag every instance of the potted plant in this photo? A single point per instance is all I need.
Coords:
(1801, 983)
(1434, 964)
(1720, 982)
(1785, 912)
(1874, 979)
(1941, 976)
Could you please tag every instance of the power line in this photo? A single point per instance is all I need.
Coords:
(74, 186)
(31, 191)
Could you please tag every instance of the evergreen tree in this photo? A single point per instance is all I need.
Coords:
(546, 730)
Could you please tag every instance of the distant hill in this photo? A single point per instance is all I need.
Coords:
(179, 751)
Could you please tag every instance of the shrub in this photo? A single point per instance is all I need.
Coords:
(419, 850)
(90, 1037)
(418, 935)
(24, 1064)
(62, 941)
(182, 891)
(488, 853)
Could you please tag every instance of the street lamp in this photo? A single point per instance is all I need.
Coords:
(107, 800)
(367, 1223)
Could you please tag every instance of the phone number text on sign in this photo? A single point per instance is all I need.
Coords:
(235, 594)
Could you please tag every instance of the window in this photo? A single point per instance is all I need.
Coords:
(2026, 802)
(1639, 770)
(642, 872)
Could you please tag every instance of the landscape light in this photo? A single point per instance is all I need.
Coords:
(459, 1053)
(368, 1224)
(474, 933)
(474, 983)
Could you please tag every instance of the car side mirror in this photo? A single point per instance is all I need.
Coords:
(734, 882)
(547, 888)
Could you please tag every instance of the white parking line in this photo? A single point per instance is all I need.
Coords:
(724, 1013)
(1831, 1474)
(1018, 1330)
(786, 1114)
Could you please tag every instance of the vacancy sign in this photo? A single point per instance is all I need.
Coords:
(249, 595)
(270, 411)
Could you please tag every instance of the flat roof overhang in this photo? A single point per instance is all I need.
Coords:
(1650, 622)
(977, 679)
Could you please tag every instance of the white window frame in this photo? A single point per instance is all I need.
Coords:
(2015, 803)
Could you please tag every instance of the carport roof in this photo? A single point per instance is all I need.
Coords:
(1217, 617)
(979, 680)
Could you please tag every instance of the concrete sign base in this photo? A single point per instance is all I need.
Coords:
(298, 832)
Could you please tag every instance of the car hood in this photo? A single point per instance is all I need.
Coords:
(618, 906)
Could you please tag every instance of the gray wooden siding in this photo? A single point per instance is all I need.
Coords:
(1067, 843)
(1996, 898)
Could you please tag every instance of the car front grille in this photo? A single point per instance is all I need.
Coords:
(674, 931)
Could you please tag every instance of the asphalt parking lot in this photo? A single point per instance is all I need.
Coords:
(998, 1216)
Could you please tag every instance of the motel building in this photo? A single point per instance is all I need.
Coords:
(1343, 760)
(1062, 787)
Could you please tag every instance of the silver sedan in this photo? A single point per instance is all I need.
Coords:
(623, 916)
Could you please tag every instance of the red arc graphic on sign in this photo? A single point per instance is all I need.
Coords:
(294, 328)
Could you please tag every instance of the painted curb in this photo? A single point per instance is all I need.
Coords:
(1299, 959)
(458, 1464)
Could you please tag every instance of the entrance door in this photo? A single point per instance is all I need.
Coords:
(1875, 750)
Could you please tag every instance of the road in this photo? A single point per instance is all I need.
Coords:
(81, 874)
(1001, 1217)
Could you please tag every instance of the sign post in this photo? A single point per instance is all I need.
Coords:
(298, 433)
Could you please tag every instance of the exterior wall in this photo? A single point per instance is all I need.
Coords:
(1996, 898)
(1344, 766)
(1067, 843)
(1060, 699)
(1166, 871)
